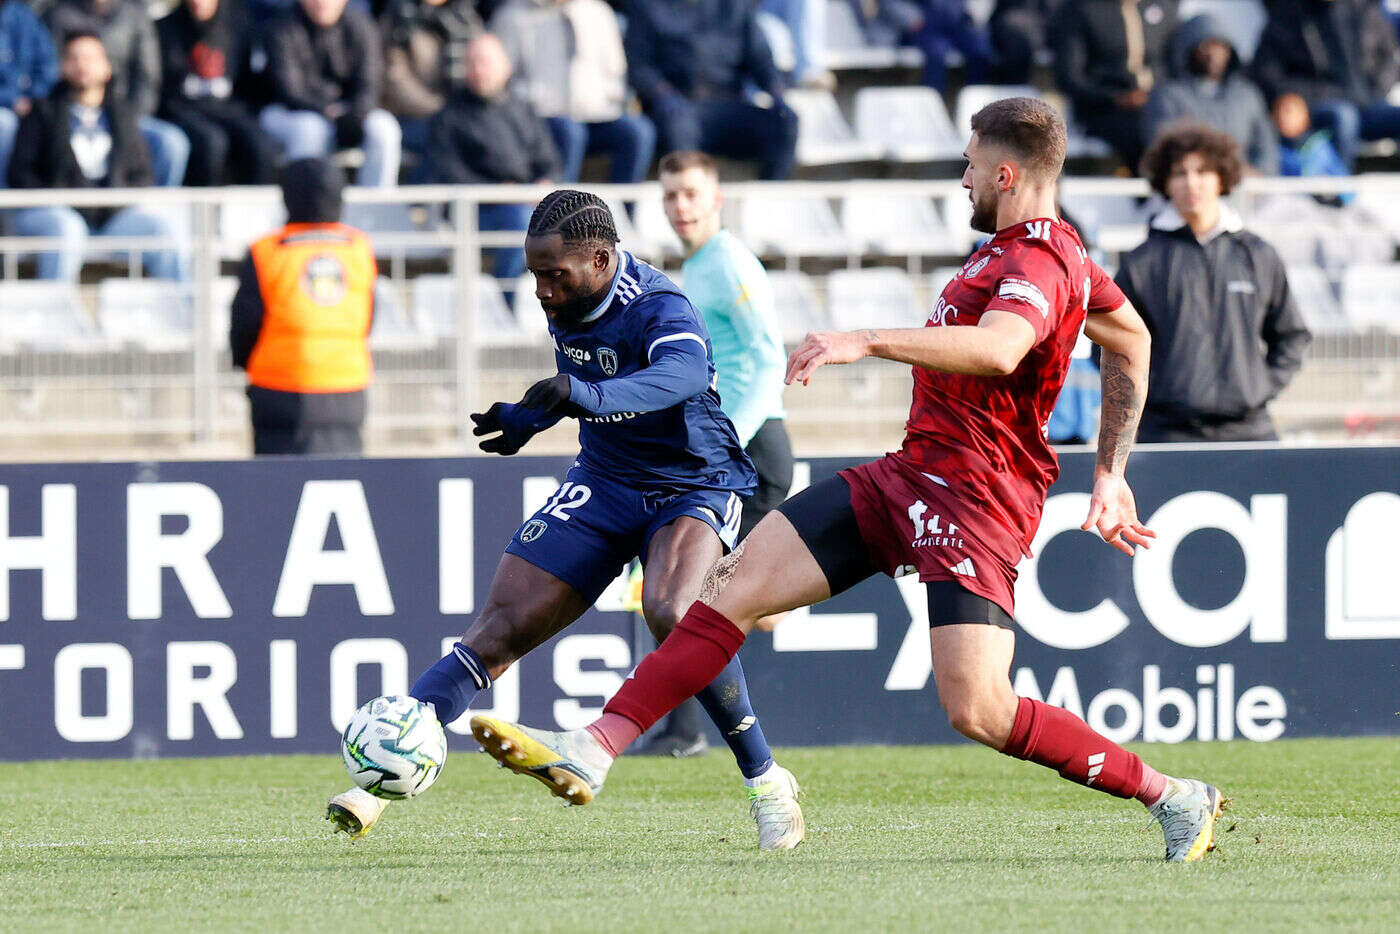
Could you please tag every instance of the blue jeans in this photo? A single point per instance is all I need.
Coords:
(9, 128)
(68, 224)
(730, 128)
(509, 263)
(806, 20)
(306, 134)
(629, 141)
(170, 151)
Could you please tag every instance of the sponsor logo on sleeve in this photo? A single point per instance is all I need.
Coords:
(1021, 290)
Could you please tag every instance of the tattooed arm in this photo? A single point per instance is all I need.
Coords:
(1126, 349)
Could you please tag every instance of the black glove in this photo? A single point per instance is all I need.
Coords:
(550, 395)
(501, 417)
(349, 131)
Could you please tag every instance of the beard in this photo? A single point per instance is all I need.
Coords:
(984, 214)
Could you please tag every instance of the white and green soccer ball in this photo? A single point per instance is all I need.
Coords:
(394, 747)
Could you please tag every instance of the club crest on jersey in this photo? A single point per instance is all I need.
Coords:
(533, 530)
(607, 359)
(971, 270)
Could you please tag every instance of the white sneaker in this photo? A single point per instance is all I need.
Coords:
(354, 812)
(773, 806)
(1187, 814)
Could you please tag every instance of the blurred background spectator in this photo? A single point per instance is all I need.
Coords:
(567, 61)
(205, 47)
(691, 61)
(1341, 56)
(806, 21)
(81, 136)
(28, 70)
(1108, 57)
(1016, 31)
(1208, 85)
(425, 50)
(1227, 336)
(129, 36)
(487, 133)
(327, 67)
(1303, 150)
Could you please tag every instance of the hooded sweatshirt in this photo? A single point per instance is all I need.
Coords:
(1232, 105)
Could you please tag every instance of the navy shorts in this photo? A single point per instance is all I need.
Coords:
(589, 530)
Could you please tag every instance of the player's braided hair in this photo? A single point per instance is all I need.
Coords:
(577, 216)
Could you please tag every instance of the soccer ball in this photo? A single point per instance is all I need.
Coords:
(394, 747)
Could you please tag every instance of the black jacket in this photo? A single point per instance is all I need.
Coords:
(697, 48)
(1226, 334)
(1340, 49)
(200, 61)
(476, 141)
(43, 155)
(1090, 39)
(312, 68)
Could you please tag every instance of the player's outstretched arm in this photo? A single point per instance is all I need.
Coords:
(1127, 348)
(994, 348)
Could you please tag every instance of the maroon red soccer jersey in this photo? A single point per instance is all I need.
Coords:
(985, 435)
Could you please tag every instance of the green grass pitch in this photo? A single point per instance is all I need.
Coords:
(911, 838)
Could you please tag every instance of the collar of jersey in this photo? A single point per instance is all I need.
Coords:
(1013, 231)
(622, 257)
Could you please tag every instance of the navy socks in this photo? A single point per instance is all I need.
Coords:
(452, 683)
(726, 700)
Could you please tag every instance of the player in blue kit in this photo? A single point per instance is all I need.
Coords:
(659, 476)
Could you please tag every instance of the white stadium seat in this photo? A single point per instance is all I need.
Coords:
(798, 308)
(150, 313)
(938, 280)
(909, 124)
(846, 46)
(872, 298)
(240, 225)
(896, 225)
(823, 135)
(974, 97)
(654, 230)
(1371, 296)
(1317, 300)
(435, 311)
(529, 316)
(393, 329)
(791, 226)
(43, 316)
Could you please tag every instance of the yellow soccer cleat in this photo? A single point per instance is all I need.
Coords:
(1187, 814)
(571, 764)
(354, 812)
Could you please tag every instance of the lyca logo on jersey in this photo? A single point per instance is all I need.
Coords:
(576, 354)
(607, 359)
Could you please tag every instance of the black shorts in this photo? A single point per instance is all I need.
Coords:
(771, 453)
(826, 522)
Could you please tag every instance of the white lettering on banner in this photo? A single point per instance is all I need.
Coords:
(282, 688)
(1363, 590)
(456, 543)
(11, 659)
(307, 564)
(1260, 605)
(187, 552)
(504, 692)
(913, 664)
(1212, 714)
(68, 667)
(346, 659)
(1063, 629)
(53, 552)
(184, 690)
(569, 654)
(801, 477)
(805, 631)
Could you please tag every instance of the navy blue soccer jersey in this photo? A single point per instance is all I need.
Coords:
(647, 324)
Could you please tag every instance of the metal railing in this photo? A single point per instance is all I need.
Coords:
(120, 365)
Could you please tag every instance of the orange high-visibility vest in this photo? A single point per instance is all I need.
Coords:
(317, 286)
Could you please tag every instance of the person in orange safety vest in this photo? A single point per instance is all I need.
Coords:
(301, 318)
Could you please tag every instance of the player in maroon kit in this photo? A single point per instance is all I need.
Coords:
(958, 504)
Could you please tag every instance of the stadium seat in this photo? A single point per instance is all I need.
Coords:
(1371, 296)
(872, 298)
(627, 234)
(529, 316)
(846, 46)
(1114, 223)
(43, 316)
(798, 308)
(908, 124)
(435, 311)
(1242, 20)
(149, 313)
(823, 135)
(896, 225)
(778, 225)
(1317, 300)
(654, 230)
(393, 329)
(974, 97)
(240, 225)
